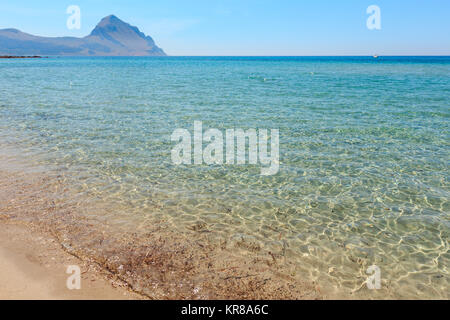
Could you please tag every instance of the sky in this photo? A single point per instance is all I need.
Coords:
(253, 27)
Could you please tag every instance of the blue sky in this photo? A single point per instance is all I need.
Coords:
(254, 27)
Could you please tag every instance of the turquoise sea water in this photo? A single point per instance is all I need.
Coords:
(364, 153)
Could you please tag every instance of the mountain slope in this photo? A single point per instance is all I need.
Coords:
(111, 37)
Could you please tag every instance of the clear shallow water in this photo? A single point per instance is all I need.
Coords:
(364, 154)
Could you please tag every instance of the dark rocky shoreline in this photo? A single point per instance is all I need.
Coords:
(20, 57)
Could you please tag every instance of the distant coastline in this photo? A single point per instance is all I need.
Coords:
(21, 57)
(111, 37)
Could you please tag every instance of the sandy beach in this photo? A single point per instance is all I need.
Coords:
(40, 238)
(232, 151)
(33, 266)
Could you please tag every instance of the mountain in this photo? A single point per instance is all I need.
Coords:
(111, 37)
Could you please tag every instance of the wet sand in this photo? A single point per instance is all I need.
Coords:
(43, 232)
(33, 266)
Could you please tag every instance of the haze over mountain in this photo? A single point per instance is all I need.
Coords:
(111, 37)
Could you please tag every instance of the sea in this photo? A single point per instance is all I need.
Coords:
(363, 186)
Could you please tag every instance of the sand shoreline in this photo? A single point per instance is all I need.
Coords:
(160, 264)
(33, 267)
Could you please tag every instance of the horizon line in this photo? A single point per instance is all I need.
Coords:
(254, 56)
